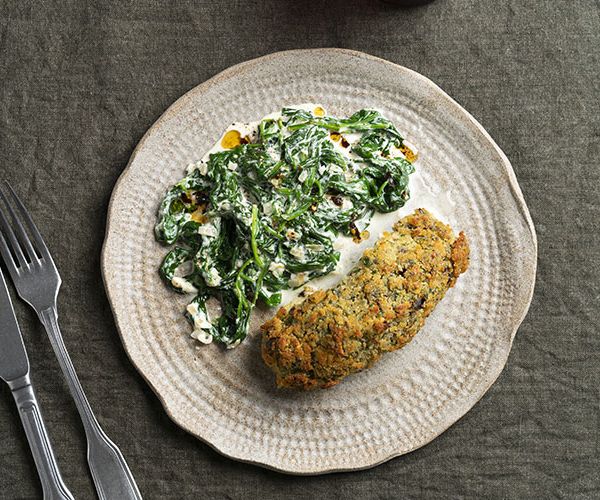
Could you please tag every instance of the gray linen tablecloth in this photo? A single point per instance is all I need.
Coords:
(80, 84)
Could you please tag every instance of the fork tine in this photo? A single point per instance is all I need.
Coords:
(11, 240)
(40, 245)
(22, 237)
(5, 253)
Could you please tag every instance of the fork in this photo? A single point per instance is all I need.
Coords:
(37, 281)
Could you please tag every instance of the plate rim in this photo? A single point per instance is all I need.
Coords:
(231, 72)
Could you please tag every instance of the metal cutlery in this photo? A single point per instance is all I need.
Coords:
(14, 370)
(37, 281)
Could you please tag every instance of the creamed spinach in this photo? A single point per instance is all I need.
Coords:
(261, 215)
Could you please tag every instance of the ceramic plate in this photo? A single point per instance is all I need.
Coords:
(228, 398)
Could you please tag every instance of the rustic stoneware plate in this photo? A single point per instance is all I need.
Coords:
(228, 398)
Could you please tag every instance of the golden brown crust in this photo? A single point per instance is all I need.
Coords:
(460, 255)
(377, 308)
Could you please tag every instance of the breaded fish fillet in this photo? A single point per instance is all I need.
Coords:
(377, 308)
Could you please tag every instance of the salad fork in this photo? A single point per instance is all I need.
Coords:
(37, 281)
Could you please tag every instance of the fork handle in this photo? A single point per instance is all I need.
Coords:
(111, 475)
(52, 483)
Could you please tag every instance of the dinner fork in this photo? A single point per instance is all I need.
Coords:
(37, 281)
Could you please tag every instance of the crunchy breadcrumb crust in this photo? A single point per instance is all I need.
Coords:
(377, 308)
